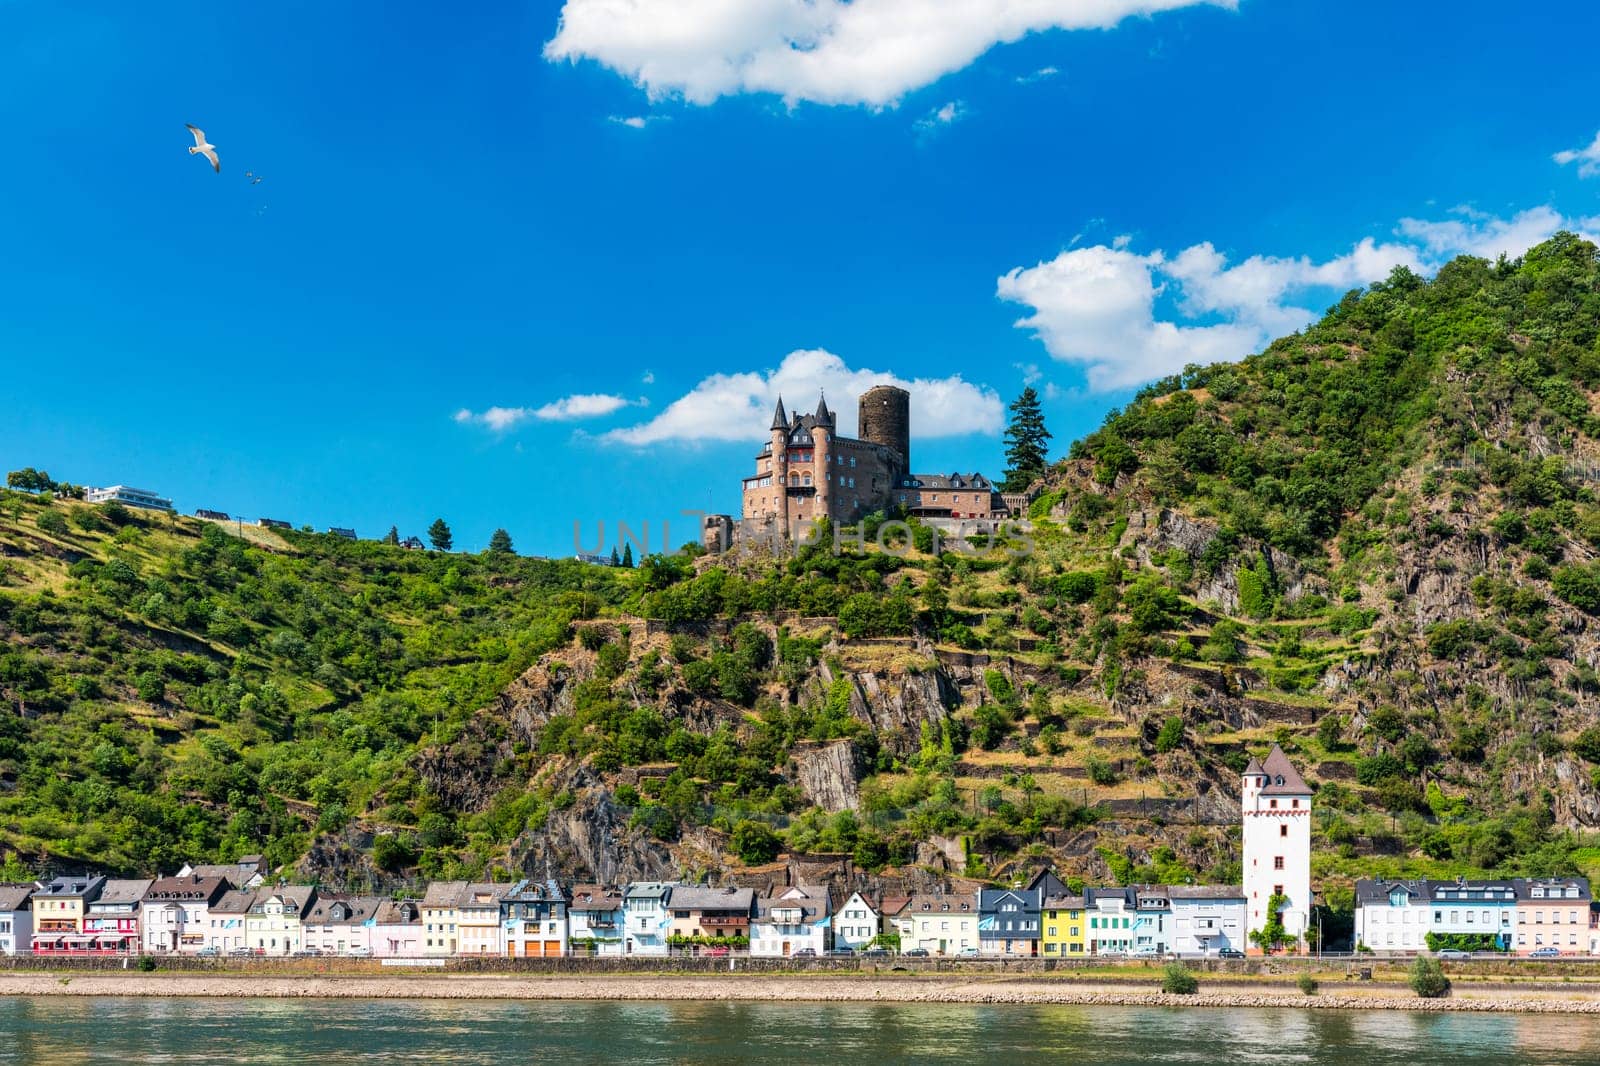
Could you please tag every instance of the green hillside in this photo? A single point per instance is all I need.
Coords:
(1374, 543)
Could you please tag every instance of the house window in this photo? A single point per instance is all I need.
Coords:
(1274, 804)
(1283, 830)
(1277, 862)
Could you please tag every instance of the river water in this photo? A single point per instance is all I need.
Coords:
(221, 1032)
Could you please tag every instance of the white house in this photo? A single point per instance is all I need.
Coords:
(340, 925)
(226, 930)
(1397, 916)
(1207, 919)
(16, 919)
(1110, 915)
(129, 496)
(646, 917)
(856, 923)
(793, 922)
(595, 920)
(175, 914)
(1276, 805)
(939, 925)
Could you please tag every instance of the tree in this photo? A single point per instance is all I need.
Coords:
(439, 534)
(1178, 980)
(1428, 979)
(393, 536)
(1026, 442)
(30, 480)
(500, 542)
(1272, 935)
(755, 843)
(616, 560)
(627, 555)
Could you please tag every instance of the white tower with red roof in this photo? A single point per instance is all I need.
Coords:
(1276, 804)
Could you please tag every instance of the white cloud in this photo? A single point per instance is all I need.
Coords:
(1588, 159)
(738, 407)
(1097, 306)
(566, 409)
(824, 51)
(941, 117)
(637, 122)
(1039, 75)
(649, 378)
(1475, 233)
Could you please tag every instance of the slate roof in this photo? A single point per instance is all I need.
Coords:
(891, 906)
(393, 912)
(1282, 778)
(1524, 887)
(237, 874)
(708, 898)
(813, 901)
(297, 899)
(953, 480)
(190, 889)
(343, 910)
(125, 893)
(1065, 903)
(1205, 892)
(647, 890)
(595, 898)
(445, 894)
(71, 887)
(933, 903)
(15, 897)
(234, 901)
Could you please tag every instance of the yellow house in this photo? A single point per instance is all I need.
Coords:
(1063, 927)
(58, 909)
(273, 925)
(441, 917)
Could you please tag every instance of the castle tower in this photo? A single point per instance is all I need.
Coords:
(822, 468)
(1276, 804)
(885, 419)
(780, 464)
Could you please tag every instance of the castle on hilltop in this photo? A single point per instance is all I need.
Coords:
(806, 472)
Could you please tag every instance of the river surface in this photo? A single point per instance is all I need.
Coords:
(224, 1032)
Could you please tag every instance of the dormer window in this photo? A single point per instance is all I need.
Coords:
(1278, 780)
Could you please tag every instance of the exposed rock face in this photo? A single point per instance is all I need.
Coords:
(343, 859)
(591, 841)
(830, 774)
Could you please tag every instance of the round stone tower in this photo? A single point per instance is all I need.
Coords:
(822, 461)
(885, 418)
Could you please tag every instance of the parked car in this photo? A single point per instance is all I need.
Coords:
(1545, 953)
(877, 952)
(208, 952)
(359, 953)
(715, 953)
(967, 953)
(805, 953)
(241, 953)
(1230, 953)
(914, 953)
(841, 953)
(1452, 953)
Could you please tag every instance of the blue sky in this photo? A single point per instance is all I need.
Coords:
(525, 264)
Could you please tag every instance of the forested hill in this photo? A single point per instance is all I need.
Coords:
(1374, 543)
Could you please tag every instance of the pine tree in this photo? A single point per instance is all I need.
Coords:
(627, 556)
(500, 542)
(1026, 442)
(393, 536)
(439, 534)
(616, 560)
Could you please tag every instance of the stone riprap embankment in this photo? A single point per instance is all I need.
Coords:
(851, 989)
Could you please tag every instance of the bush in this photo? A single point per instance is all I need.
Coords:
(1171, 735)
(1428, 980)
(52, 522)
(147, 963)
(755, 843)
(1307, 984)
(1179, 980)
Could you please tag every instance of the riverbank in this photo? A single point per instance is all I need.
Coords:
(790, 988)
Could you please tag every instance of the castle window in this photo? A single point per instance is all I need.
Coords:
(852, 460)
(807, 480)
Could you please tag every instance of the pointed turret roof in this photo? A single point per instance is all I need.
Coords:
(780, 420)
(1253, 768)
(1282, 778)
(824, 417)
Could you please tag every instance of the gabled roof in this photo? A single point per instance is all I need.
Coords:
(1525, 886)
(237, 874)
(1205, 892)
(15, 897)
(190, 889)
(398, 912)
(642, 890)
(953, 480)
(595, 898)
(445, 894)
(1064, 903)
(1282, 778)
(297, 899)
(989, 898)
(87, 886)
(890, 906)
(235, 901)
(811, 900)
(709, 898)
(123, 893)
(343, 910)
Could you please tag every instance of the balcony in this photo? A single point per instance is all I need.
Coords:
(724, 921)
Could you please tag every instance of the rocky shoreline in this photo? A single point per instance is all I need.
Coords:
(760, 988)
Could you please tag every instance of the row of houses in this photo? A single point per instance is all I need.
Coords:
(1524, 916)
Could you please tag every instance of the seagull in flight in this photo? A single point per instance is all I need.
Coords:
(204, 147)
(253, 179)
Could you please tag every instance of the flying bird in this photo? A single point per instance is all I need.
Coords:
(204, 147)
(253, 179)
